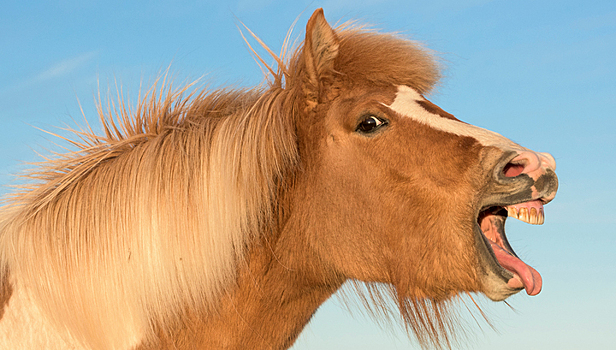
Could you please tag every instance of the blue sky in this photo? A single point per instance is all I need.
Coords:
(540, 72)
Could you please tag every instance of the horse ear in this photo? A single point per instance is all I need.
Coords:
(320, 50)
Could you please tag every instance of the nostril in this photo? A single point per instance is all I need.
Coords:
(513, 170)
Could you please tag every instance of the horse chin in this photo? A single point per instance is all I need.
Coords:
(504, 273)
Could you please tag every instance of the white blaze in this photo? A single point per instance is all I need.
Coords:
(406, 105)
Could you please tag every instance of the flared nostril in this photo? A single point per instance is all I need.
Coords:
(529, 162)
(513, 170)
(526, 162)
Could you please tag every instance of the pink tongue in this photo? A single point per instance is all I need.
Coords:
(524, 275)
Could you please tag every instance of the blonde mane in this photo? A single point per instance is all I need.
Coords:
(152, 216)
(156, 214)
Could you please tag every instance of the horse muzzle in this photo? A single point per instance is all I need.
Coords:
(520, 184)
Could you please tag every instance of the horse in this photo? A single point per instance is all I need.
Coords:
(224, 218)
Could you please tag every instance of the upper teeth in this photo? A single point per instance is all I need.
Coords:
(533, 216)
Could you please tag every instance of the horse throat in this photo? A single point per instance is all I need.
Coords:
(271, 304)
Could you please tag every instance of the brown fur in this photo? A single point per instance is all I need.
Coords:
(225, 218)
(6, 290)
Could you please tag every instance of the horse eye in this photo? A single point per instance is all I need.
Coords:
(370, 124)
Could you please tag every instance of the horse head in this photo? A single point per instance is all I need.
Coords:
(398, 191)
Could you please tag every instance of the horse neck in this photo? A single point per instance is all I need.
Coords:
(274, 299)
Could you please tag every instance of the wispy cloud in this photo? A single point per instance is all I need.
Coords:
(57, 70)
(65, 67)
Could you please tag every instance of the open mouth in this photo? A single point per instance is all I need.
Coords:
(491, 221)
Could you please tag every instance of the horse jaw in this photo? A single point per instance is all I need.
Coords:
(519, 181)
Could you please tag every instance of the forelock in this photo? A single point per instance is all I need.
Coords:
(385, 59)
